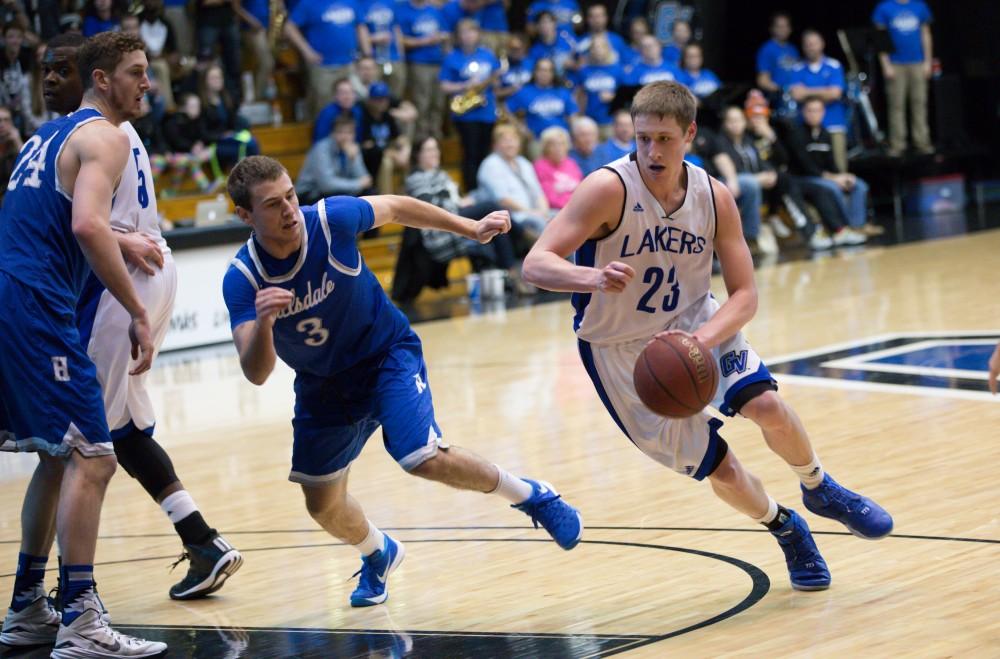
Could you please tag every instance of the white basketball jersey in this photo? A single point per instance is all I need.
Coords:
(134, 205)
(671, 255)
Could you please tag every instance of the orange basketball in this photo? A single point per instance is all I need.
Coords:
(675, 376)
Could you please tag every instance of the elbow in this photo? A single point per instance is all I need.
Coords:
(531, 269)
(85, 229)
(255, 378)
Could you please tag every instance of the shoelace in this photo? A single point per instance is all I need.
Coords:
(538, 505)
(841, 496)
(183, 557)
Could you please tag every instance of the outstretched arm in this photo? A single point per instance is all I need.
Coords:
(421, 215)
(593, 212)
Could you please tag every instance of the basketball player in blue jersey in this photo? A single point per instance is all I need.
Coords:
(100, 320)
(652, 217)
(299, 290)
(53, 229)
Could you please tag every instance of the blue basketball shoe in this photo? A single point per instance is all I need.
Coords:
(545, 506)
(862, 516)
(375, 571)
(806, 567)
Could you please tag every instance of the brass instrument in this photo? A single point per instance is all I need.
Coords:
(278, 15)
(471, 98)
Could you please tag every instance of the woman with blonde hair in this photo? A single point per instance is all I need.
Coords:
(510, 180)
(558, 174)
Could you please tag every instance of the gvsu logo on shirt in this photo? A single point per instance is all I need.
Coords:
(339, 15)
(548, 106)
(906, 22)
(426, 27)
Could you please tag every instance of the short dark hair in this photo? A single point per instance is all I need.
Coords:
(66, 40)
(666, 98)
(247, 174)
(344, 120)
(812, 99)
(779, 14)
(105, 51)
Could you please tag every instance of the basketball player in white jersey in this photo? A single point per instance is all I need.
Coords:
(644, 229)
(100, 319)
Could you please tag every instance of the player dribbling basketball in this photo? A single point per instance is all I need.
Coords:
(655, 219)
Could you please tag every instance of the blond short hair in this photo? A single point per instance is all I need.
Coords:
(666, 99)
(505, 130)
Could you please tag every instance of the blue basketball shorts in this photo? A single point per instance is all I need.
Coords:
(50, 399)
(335, 416)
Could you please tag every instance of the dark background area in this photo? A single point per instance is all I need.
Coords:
(966, 40)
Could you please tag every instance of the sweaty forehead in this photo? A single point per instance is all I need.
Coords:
(59, 55)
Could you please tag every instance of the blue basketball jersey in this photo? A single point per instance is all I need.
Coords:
(340, 315)
(37, 245)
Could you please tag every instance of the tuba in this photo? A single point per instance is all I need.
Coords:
(278, 15)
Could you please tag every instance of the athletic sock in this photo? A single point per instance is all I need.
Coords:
(373, 542)
(28, 580)
(77, 583)
(775, 517)
(186, 518)
(810, 474)
(513, 489)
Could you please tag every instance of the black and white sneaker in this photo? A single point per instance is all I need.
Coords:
(212, 562)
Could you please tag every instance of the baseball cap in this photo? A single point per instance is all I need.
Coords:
(378, 90)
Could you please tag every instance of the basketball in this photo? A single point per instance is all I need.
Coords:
(675, 376)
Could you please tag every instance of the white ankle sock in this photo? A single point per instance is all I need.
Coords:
(178, 505)
(511, 488)
(373, 542)
(811, 474)
(770, 515)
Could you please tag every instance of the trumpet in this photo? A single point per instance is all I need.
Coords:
(471, 98)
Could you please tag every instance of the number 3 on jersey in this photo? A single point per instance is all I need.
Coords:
(316, 334)
(654, 277)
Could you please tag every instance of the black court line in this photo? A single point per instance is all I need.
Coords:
(556, 645)
(682, 529)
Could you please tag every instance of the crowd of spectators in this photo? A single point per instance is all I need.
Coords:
(534, 112)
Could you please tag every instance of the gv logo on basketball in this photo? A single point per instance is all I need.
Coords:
(733, 362)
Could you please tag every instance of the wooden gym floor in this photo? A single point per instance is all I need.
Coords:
(879, 350)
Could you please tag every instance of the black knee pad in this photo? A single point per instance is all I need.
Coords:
(146, 461)
(749, 392)
(721, 450)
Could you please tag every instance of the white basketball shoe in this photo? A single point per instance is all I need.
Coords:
(90, 637)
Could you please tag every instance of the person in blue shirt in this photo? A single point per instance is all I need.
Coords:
(299, 290)
(597, 26)
(552, 45)
(564, 11)
(622, 140)
(384, 41)
(542, 102)
(823, 77)
(255, 16)
(906, 70)
(425, 30)
(519, 67)
(345, 101)
(777, 57)
(54, 234)
(638, 28)
(472, 66)
(651, 67)
(701, 81)
(597, 82)
(681, 34)
(327, 34)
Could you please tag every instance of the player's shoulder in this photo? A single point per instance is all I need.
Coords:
(240, 271)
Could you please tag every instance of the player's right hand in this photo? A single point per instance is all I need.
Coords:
(613, 277)
(270, 301)
(142, 343)
(141, 251)
(994, 370)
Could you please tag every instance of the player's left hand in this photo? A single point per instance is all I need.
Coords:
(493, 224)
(141, 251)
(141, 336)
(994, 370)
(678, 332)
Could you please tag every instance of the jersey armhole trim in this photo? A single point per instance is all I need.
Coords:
(242, 267)
(715, 210)
(331, 259)
(621, 214)
(59, 186)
